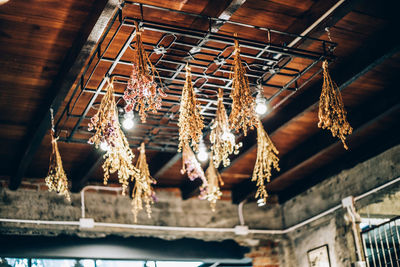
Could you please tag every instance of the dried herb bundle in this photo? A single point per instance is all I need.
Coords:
(332, 115)
(56, 179)
(143, 93)
(118, 156)
(143, 189)
(211, 190)
(190, 120)
(190, 165)
(242, 115)
(266, 159)
(221, 138)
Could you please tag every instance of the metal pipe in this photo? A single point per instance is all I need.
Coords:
(193, 229)
(95, 187)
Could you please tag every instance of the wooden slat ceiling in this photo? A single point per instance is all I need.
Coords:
(34, 42)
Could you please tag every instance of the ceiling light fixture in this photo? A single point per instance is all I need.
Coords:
(203, 154)
(128, 122)
(261, 103)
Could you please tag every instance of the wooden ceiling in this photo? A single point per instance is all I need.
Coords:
(42, 64)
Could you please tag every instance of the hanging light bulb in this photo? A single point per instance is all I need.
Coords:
(261, 103)
(203, 154)
(261, 202)
(104, 146)
(128, 122)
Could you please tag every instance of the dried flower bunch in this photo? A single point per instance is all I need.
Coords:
(143, 189)
(190, 165)
(118, 156)
(211, 190)
(266, 159)
(56, 179)
(332, 115)
(222, 140)
(242, 115)
(190, 120)
(143, 93)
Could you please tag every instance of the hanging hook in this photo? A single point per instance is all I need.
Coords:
(329, 33)
(52, 120)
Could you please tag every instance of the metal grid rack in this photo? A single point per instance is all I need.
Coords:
(210, 54)
(382, 244)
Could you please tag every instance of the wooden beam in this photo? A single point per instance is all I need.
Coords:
(69, 70)
(379, 144)
(85, 171)
(376, 50)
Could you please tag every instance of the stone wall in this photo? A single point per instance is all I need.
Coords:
(332, 229)
(32, 201)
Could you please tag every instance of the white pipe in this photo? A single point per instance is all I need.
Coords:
(240, 212)
(377, 189)
(201, 229)
(95, 187)
(309, 29)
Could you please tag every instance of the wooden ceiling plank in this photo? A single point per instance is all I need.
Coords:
(373, 53)
(69, 70)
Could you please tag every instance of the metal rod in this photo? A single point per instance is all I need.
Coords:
(103, 82)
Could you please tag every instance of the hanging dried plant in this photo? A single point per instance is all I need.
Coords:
(211, 190)
(332, 115)
(242, 115)
(143, 189)
(190, 120)
(191, 166)
(266, 159)
(56, 179)
(221, 138)
(108, 131)
(143, 93)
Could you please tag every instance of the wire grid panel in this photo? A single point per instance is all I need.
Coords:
(382, 244)
(170, 47)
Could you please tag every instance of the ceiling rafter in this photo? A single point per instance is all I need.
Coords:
(69, 70)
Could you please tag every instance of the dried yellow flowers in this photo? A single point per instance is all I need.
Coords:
(118, 156)
(221, 138)
(211, 190)
(332, 115)
(56, 179)
(242, 115)
(190, 120)
(143, 93)
(266, 159)
(143, 189)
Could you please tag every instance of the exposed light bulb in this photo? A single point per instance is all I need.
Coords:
(104, 146)
(202, 155)
(128, 122)
(261, 104)
(261, 202)
(261, 108)
(227, 136)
